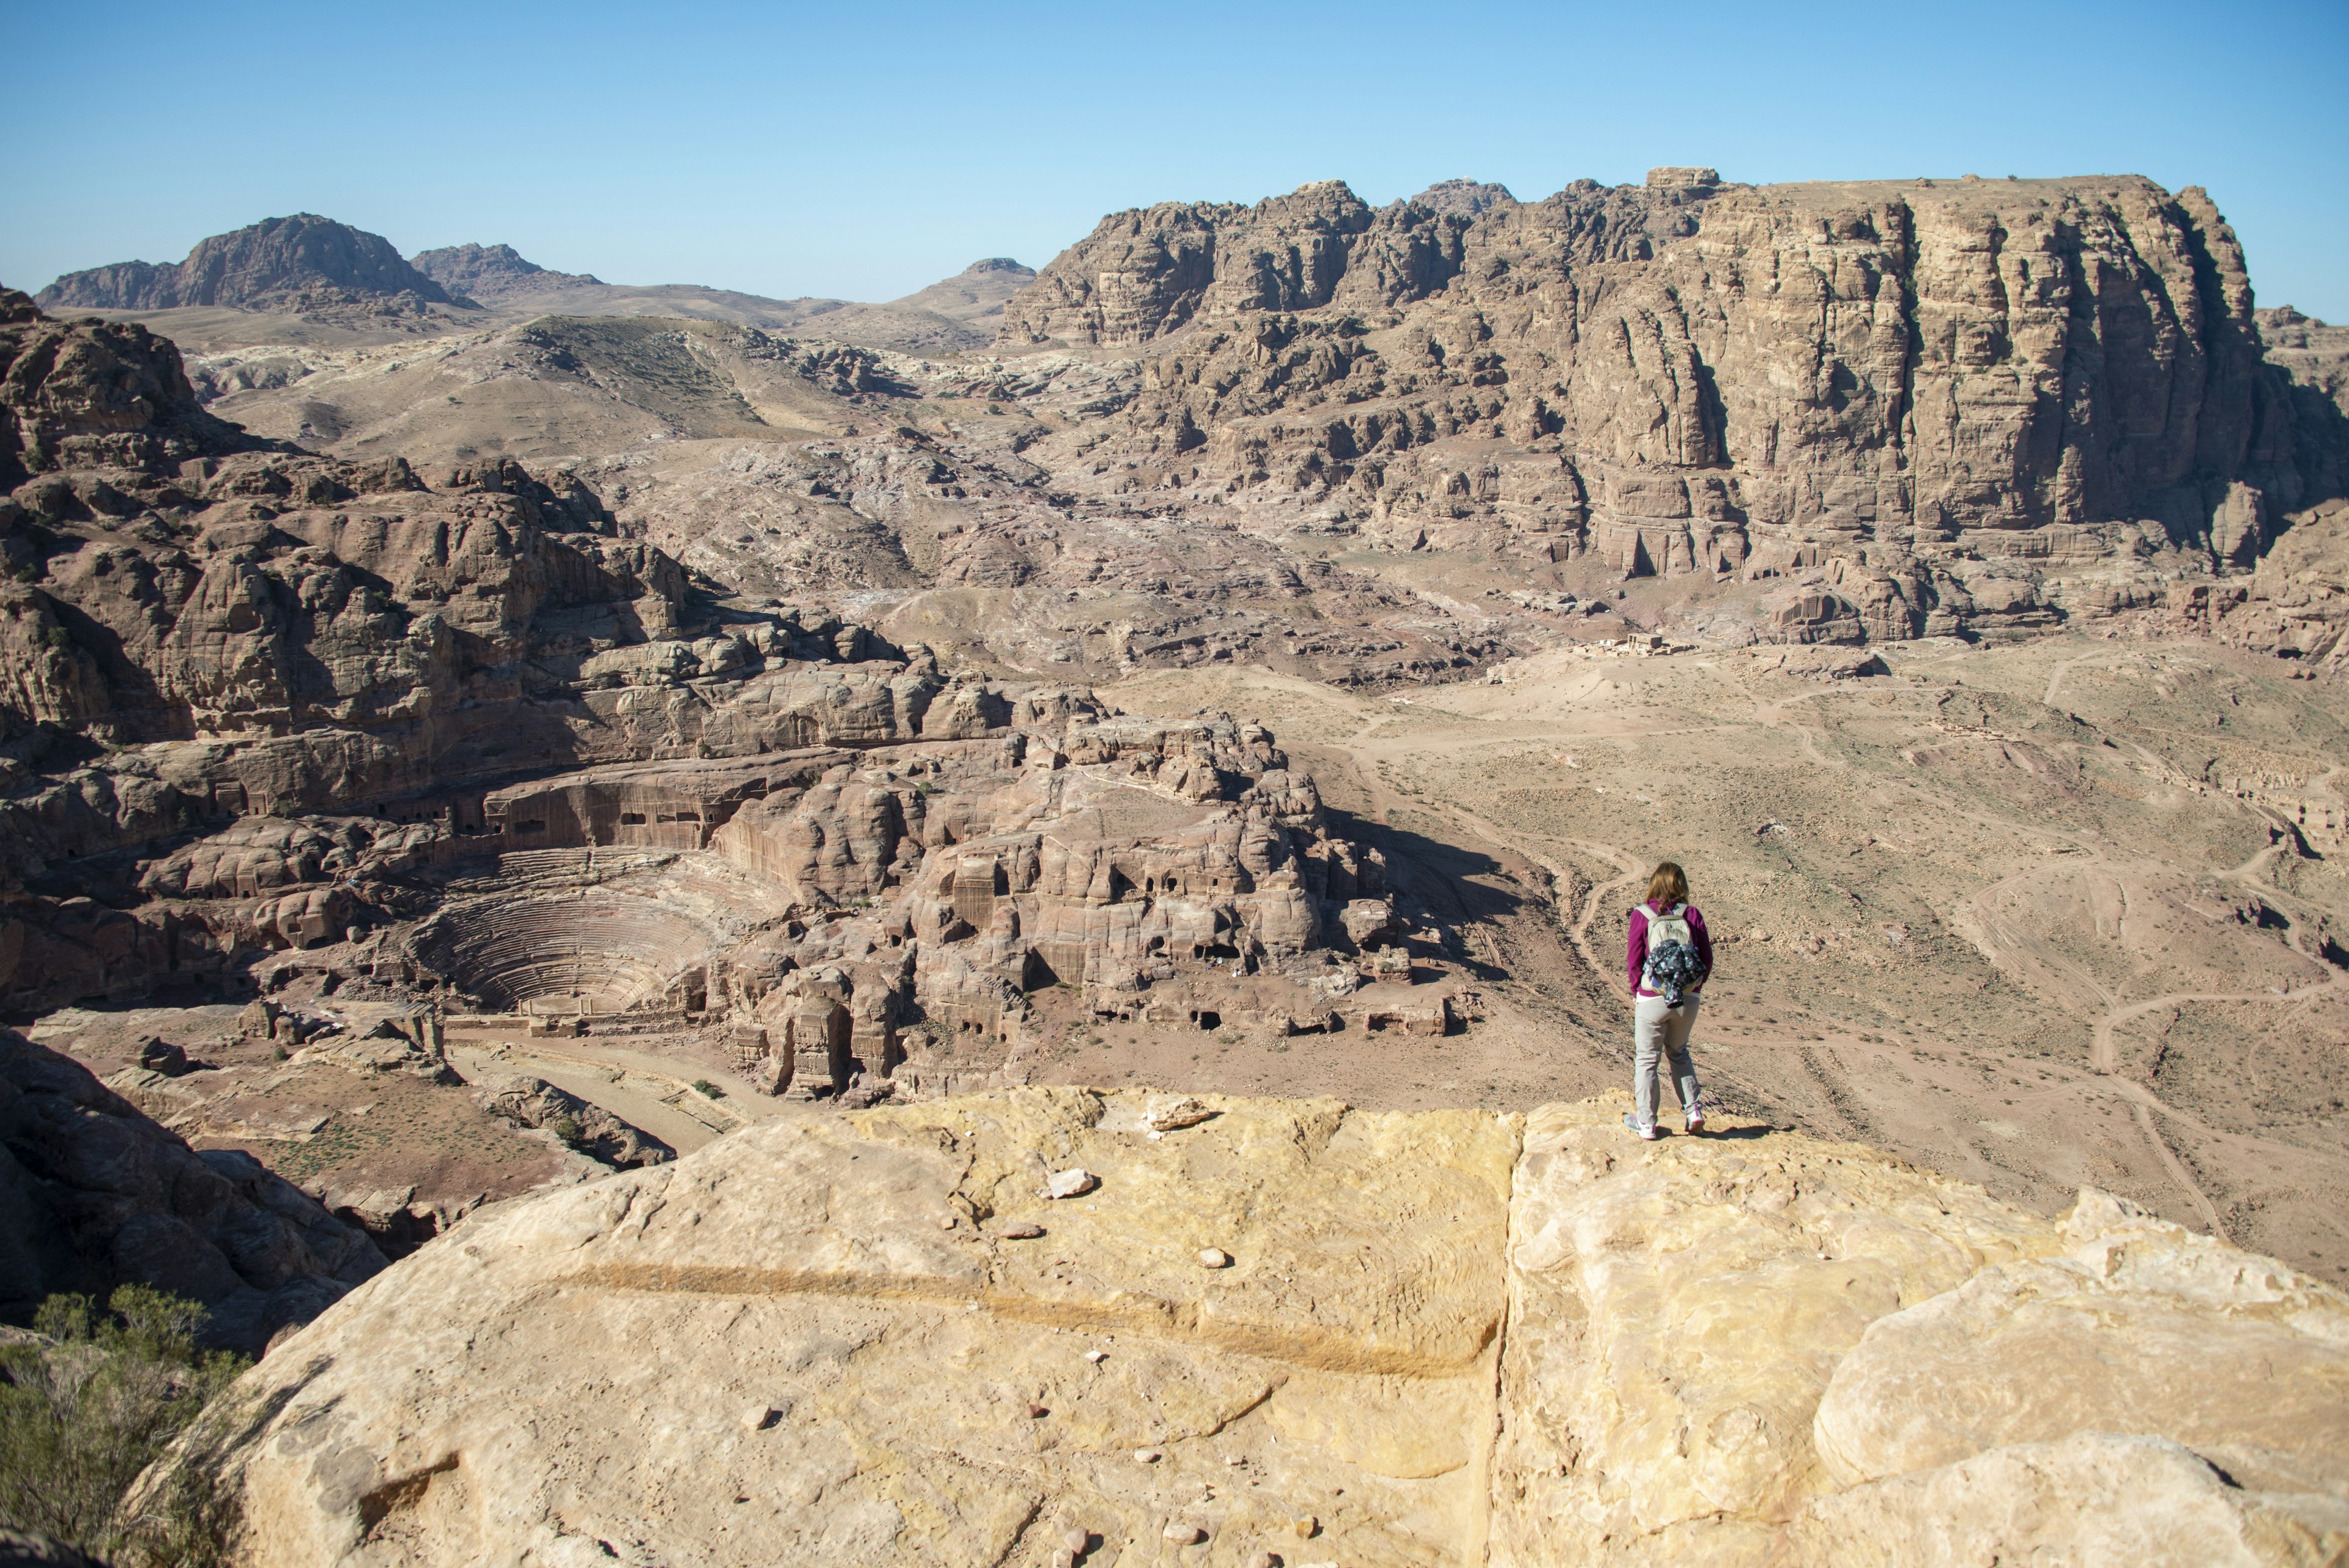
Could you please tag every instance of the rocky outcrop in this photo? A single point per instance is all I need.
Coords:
(77, 396)
(959, 846)
(1469, 198)
(2314, 356)
(1289, 1332)
(2042, 370)
(529, 1102)
(1129, 860)
(192, 631)
(310, 632)
(311, 683)
(278, 264)
(93, 1194)
(320, 682)
(2316, 353)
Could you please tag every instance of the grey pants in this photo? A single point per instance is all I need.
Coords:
(1658, 1032)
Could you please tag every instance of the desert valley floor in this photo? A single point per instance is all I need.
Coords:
(2053, 914)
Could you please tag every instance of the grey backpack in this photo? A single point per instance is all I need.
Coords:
(1673, 964)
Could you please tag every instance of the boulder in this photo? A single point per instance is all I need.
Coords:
(529, 1102)
(2091, 1498)
(2140, 1326)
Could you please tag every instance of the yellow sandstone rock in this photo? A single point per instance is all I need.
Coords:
(1446, 1338)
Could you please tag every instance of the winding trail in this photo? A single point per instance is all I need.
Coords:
(2056, 676)
(2144, 1103)
(2009, 947)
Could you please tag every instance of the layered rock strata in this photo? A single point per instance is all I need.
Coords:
(1905, 381)
(1288, 1331)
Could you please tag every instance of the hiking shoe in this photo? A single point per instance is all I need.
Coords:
(1648, 1132)
(1696, 1123)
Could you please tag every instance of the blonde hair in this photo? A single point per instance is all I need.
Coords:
(1668, 886)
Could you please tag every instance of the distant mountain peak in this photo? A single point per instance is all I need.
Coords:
(1465, 197)
(276, 264)
(975, 294)
(485, 271)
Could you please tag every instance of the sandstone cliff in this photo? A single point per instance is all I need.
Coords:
(1286, 1332)
(278, 264)
(1695, 377)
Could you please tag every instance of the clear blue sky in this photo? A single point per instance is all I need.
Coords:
(865, 150)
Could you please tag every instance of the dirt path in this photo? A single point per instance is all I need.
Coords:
(2144, 1103)
(2053, 972)
(2056, 676)
(1384, 804)
(1388, 742)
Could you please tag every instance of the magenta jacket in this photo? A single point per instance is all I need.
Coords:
(1636, 957)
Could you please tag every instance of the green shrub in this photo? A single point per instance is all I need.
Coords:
(82, 1415)
(566, 1128)
(704, 1087)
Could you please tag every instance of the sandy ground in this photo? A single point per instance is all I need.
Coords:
(320, 1125)
(2040, 916)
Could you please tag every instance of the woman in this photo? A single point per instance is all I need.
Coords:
(1668, 957)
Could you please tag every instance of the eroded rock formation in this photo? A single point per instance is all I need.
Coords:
(1906, 383)
(86, 396)
(279, 702)
(93, 1194)
(1291, 1329)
